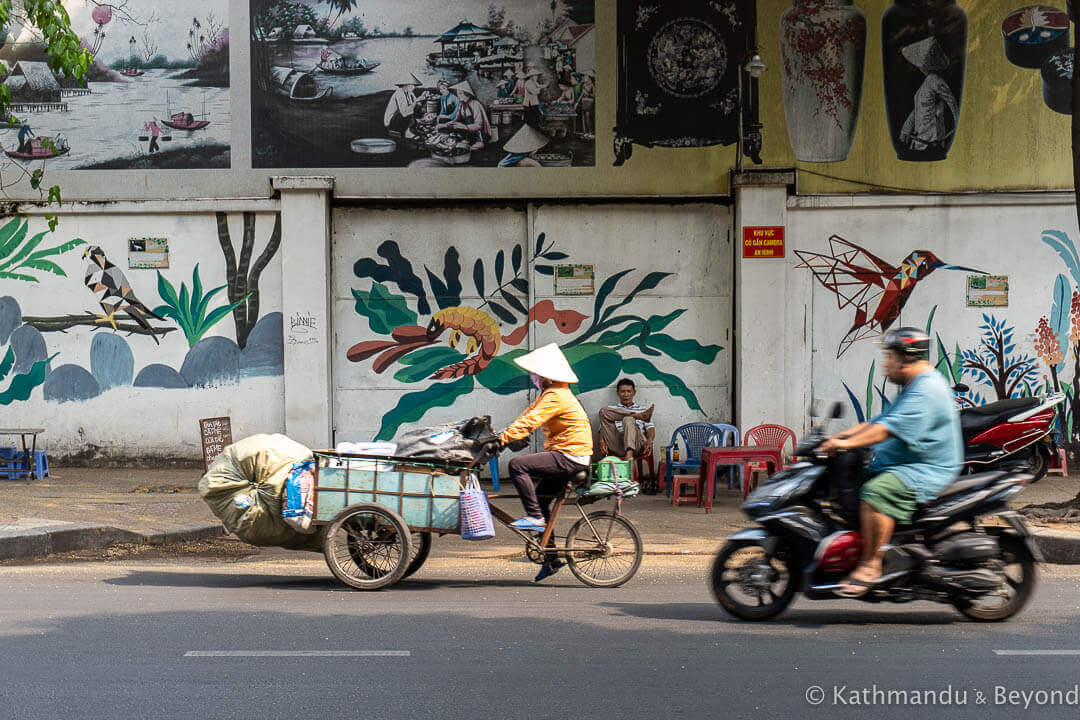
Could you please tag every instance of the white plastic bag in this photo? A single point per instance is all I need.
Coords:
(365, 448)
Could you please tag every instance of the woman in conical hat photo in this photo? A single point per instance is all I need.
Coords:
(521, 146)
(568, 436)
(399, 110)
(933, 119)
(472, 119)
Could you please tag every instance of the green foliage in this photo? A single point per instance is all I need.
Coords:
(19, 256)
(66, 54)
(383, 309)
(189, 309)
(21, 385)
(413, 406)
(502, 376)
(422, 363)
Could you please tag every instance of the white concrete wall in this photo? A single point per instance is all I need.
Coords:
(83, 416)
(690, 241)
(1000, 235)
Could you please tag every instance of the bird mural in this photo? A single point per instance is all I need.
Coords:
(114, 292)
(876, 289)
(463, 322)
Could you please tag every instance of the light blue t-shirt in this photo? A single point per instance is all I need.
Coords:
(924, 448)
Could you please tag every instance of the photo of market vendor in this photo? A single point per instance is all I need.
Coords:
(472, 119)
(402, 105)
(521, 147)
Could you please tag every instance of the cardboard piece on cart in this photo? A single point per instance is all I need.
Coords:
(245, 487)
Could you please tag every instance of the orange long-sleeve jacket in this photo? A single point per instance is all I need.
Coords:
(565, 424)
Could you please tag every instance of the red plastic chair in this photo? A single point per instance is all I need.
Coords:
(639, 463)
(770, 435)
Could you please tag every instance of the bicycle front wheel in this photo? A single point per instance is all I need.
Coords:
(603, 550)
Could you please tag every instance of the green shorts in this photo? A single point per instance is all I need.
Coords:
(891, 496)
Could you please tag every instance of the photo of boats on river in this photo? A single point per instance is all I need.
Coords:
(156, 95)
(423, 84)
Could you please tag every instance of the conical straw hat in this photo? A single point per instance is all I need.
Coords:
(926, 55)
(464, 87)
(548, 362)
(526, 140)
(410, 80)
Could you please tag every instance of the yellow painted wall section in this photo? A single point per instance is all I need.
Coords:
(1006, 139)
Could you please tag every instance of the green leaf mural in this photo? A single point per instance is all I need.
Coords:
(16, 255)
(675, 385)
(383, 309)
(596, 352)
(422, 363)
(502, 376)
(597, 366)
(414, 406)
(21, 385)
(188, 309)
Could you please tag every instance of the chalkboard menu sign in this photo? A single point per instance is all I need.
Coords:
(216, 436)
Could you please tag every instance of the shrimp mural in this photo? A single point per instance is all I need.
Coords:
(476, 349)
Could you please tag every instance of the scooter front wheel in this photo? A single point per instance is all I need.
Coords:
(750, 583)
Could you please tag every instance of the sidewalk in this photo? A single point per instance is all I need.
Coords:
(86, 508)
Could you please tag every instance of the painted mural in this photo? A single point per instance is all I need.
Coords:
(156, 96)
(874, 288)
(449, 350)
(119, 315)
(423, 84)
(678, 72)
(999, 356)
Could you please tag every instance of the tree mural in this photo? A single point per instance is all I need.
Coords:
(242, 275)
(615, 342)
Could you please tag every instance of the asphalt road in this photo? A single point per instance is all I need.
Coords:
(274, 636)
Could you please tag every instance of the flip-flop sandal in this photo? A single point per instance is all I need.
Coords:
(861, 588)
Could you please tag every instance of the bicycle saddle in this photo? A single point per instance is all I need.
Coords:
(580, 477)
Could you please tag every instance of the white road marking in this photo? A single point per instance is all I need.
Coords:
(1038, 652)
(297, 653)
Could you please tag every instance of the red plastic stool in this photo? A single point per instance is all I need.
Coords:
(678, 482)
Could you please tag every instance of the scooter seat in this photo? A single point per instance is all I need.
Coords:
(974, 420)
(966, 483)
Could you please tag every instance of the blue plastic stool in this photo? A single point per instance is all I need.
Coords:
(493, 466)
(11, 463)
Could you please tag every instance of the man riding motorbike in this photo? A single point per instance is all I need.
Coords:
(917, 450)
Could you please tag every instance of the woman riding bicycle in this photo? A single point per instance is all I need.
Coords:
(568, 437)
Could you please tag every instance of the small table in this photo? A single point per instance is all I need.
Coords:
(28, 453)
(711, 457)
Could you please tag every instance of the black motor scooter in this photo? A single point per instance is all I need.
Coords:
(965, 548)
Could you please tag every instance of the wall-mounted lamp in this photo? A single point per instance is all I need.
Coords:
(750, 135)
(755, 66)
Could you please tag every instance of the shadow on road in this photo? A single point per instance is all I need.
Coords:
(293, 582)
(794, 618)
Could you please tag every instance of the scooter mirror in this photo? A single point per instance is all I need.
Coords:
(836, 411)
(960, 387)
(814, 407)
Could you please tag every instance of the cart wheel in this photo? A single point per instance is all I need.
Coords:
(605, 551)
(421, 548)
(367, 546)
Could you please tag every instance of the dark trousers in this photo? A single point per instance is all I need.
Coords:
(546, 473)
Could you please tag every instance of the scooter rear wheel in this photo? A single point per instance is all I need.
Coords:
(1019, 583)
(1039, 463)
(750, 583)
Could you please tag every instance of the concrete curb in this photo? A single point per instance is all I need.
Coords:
(66, 537)
(1059, 547)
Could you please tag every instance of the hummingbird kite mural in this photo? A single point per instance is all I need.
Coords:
(876, 289)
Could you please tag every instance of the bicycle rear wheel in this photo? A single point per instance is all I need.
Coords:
(603, 551)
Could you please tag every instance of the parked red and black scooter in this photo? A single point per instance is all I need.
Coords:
(1010, 434)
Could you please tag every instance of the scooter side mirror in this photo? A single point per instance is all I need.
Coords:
(960, 388)
(836, 411)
